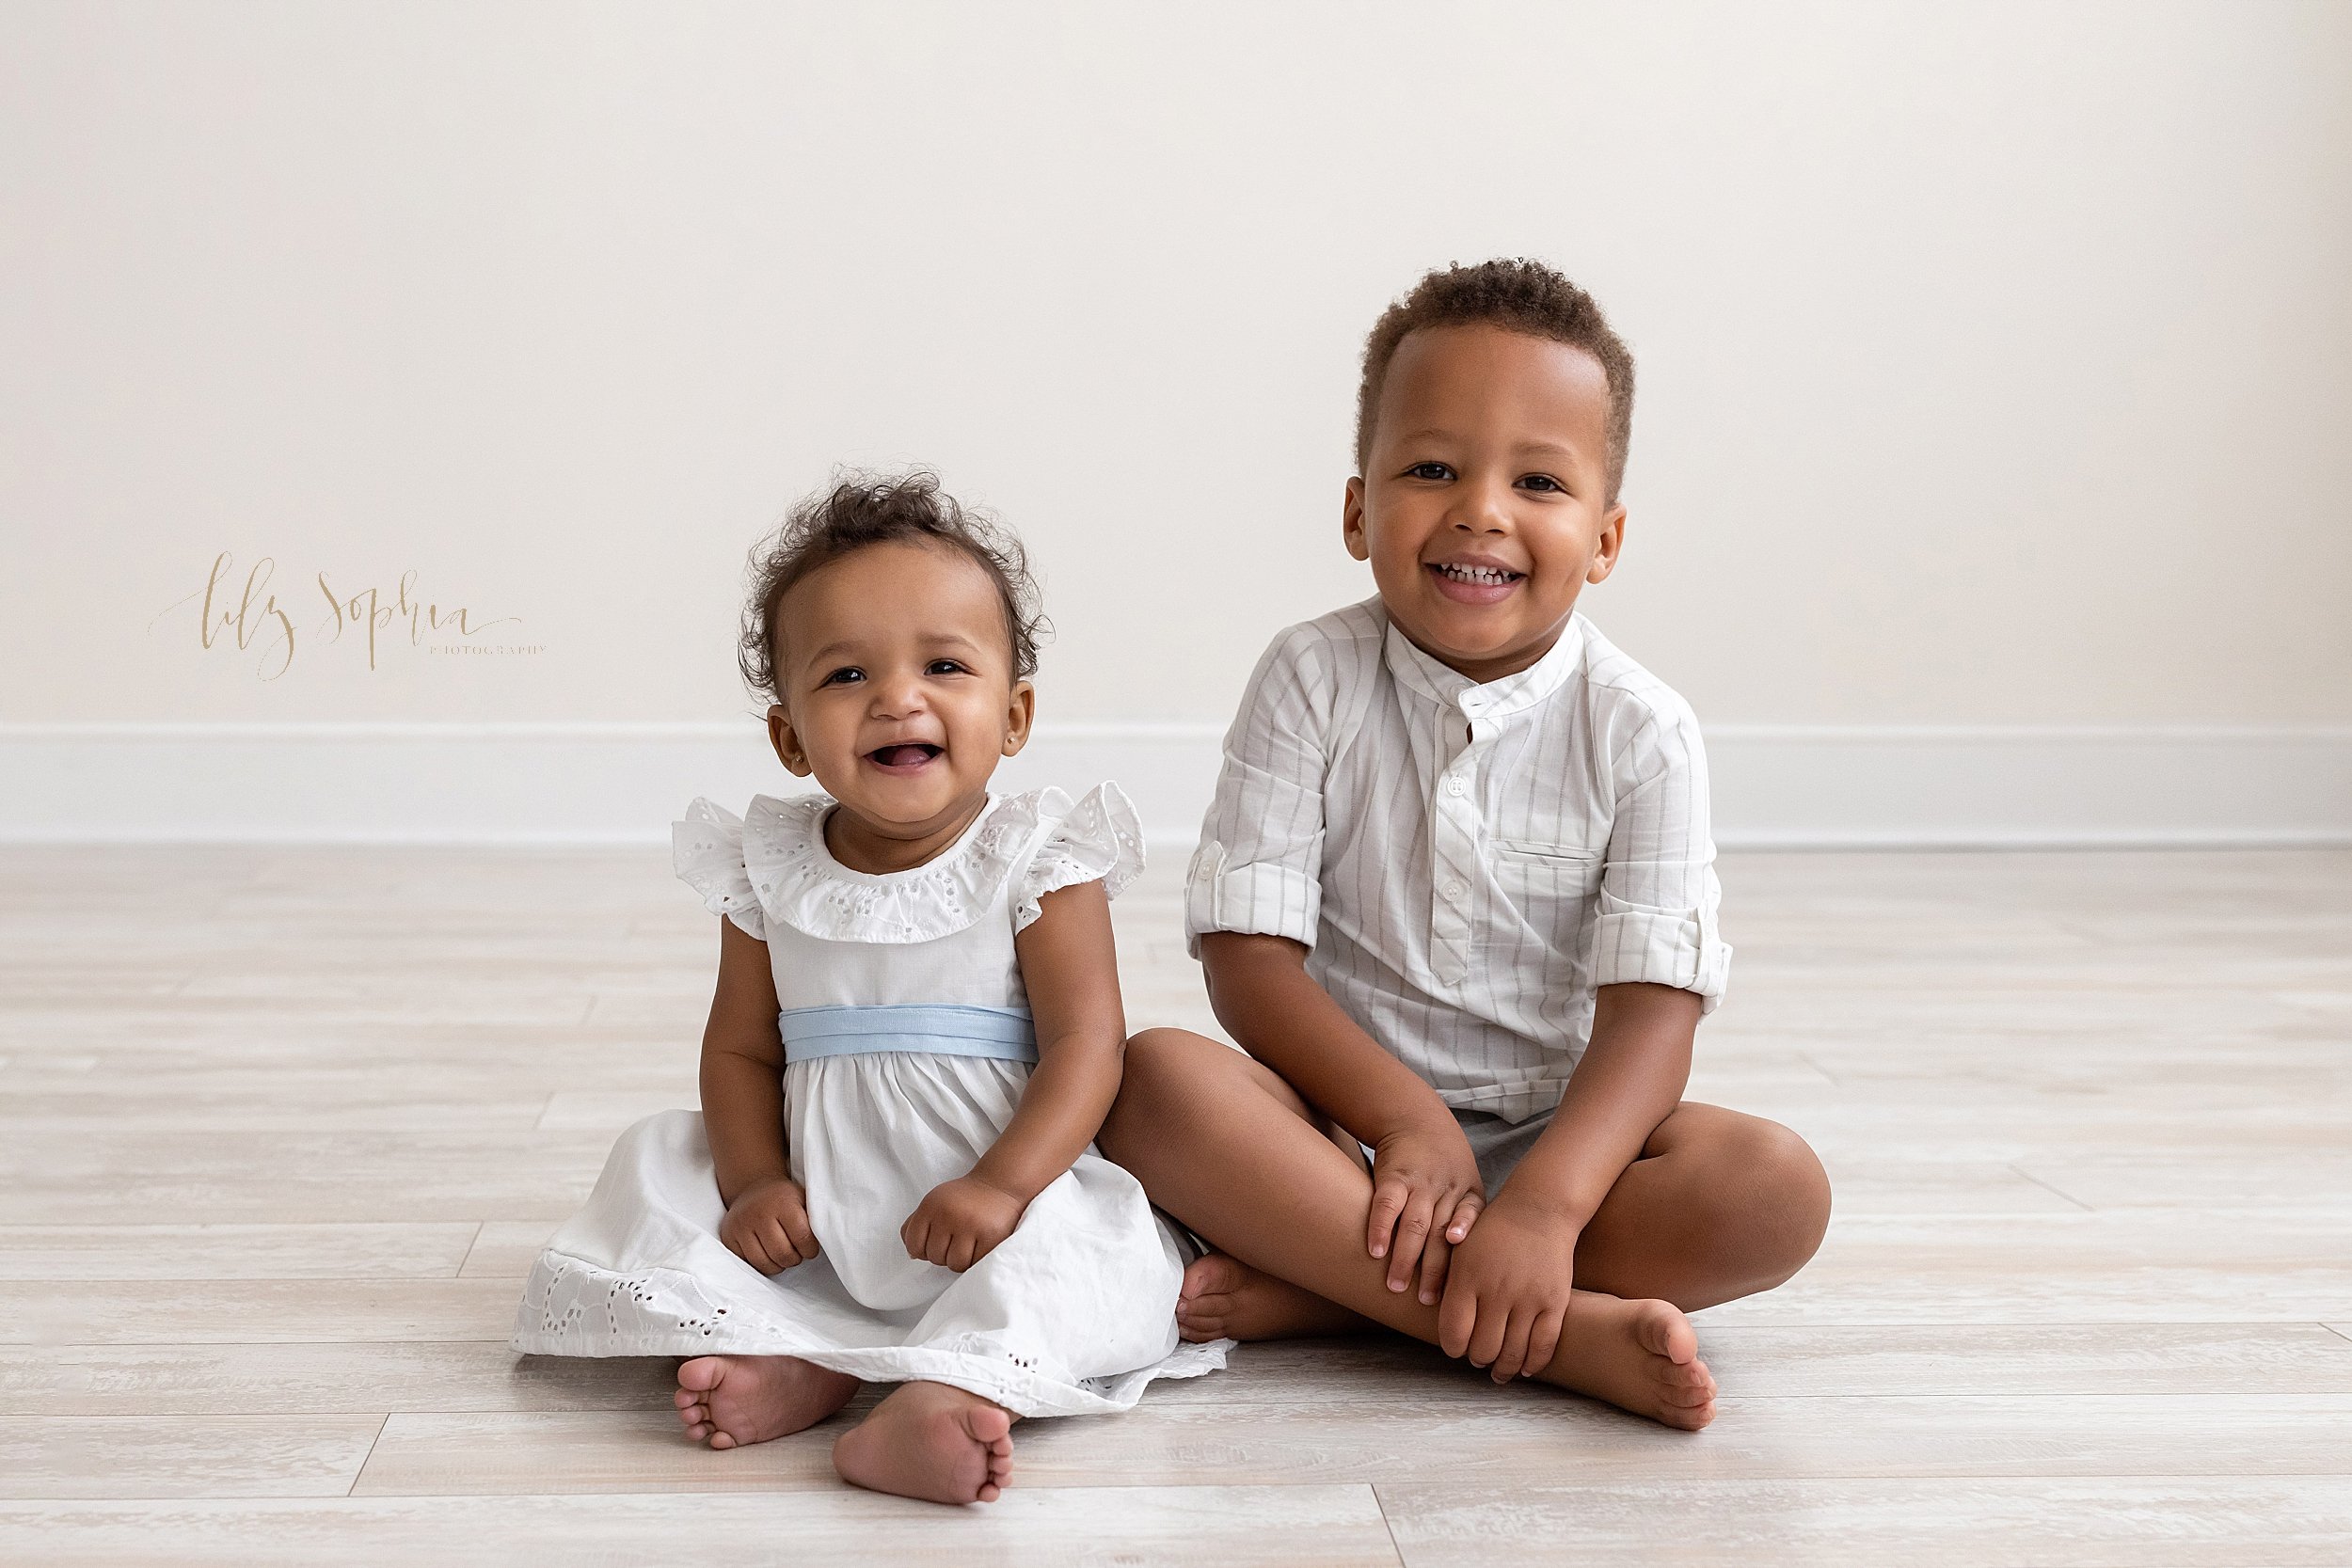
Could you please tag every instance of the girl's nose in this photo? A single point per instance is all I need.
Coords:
(896, 698)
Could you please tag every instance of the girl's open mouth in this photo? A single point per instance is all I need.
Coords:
(906, 757)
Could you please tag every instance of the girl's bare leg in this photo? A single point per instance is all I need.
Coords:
(1226, 1146)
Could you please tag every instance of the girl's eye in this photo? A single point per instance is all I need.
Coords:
(1429, 470)
(1541, 482)
(843, 676)
(942, 667)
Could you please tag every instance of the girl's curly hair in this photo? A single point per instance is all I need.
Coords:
(880, 509)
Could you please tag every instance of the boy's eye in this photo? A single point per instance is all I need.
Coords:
(942, 667)
(1429, 470)
(1542, 481)
(844, 675)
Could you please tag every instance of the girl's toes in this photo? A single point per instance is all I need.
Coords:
(1687, 1390)
(720, 1440)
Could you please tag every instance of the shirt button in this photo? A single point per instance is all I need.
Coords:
(1454, 889)
(1455, 786)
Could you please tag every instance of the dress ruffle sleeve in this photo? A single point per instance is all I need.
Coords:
(1100, 839)
(707, 852)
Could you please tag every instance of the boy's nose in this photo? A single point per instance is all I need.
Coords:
(1482, 512)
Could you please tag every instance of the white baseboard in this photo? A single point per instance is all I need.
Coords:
(1996, 786)
(1774, 785)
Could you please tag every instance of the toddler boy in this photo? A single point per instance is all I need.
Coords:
(1455, 897)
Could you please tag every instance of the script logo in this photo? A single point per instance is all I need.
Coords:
(254, 619)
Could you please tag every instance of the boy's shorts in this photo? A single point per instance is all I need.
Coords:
(1497, 1145)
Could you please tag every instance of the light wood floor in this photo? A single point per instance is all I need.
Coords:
(282, 1127)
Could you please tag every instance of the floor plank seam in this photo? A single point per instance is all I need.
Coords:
(369, 1457)
(1394, 1545)
(2047, 1188)
(1831, 1077)
(2339, 1332)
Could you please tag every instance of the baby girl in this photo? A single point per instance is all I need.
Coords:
(915, 1037)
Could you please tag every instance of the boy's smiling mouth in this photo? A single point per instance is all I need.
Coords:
(1473, 581)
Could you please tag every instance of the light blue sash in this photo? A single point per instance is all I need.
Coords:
(1000, 1034)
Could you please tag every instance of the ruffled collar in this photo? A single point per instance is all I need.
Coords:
(799, 882)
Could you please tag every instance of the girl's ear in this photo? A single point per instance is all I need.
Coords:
(787, 744)
(1018, 715)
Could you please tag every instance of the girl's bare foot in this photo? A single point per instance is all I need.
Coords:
(932, 1441)
(1639, 1355)
(1224, 1298)
(735, 1400)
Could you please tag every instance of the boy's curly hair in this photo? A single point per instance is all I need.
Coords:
(862, 510)
(1518, 295)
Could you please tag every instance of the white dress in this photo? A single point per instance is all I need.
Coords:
(903, 1014)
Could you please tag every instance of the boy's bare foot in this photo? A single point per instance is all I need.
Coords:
(929, 1440)
(1639, 1355)
(735, 1400)
(1224, 1298)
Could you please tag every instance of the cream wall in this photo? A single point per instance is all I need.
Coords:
(1995, 359)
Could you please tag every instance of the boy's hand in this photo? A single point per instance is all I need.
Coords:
(766, 1226)
(1508, 1297)
(1426, 1191)
(959, 1221)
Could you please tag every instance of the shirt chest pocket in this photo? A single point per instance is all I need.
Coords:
(1548, 882)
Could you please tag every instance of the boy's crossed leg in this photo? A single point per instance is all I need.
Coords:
(1720, 1205)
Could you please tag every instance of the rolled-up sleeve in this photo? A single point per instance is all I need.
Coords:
(1659, 892)
(1260, 862)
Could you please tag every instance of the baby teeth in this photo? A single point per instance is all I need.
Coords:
(1477, 574)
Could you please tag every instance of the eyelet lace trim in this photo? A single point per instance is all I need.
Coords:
(771, 864)
(1098, 840)
(799, 883)
(571, 1295)
(573, 1308)
(707, 852)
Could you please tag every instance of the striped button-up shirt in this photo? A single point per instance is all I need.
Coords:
(1466, 864)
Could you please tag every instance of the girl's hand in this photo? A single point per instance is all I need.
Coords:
(1425, 1193)
(1508, 1298)
(766, 1226)
(959, 1221)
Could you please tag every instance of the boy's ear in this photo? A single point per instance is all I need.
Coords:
(788, 745)
(1352, 521)
(1612, 542)
(1018, 715)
